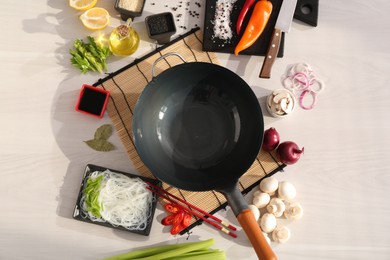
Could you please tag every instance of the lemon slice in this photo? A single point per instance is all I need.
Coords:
(96, 18)
(82, 4)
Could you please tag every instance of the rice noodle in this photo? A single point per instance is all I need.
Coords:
(123, 201)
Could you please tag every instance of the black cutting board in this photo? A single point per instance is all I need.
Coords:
(259, 48)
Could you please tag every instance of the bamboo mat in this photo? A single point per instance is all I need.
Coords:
(125, 86)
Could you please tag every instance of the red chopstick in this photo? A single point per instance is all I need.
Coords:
(226, 224)
(194, 213)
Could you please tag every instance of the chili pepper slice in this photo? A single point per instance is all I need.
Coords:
(172, 208)
(257, 22)
(167, 220)
(178, 218)
(247, 5)
(186, 220)
(176, 229)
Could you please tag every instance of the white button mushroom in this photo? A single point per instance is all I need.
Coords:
(269, 185)
(268, 222)
(281, 234)
(276, 206)
(280, 102)
(267, 238)
(256, 193)
(286, 191)
(293, 211)
(255, 211)
(261, 200)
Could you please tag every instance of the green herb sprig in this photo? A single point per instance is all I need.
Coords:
(89, 56)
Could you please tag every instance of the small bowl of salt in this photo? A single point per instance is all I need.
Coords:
(129, 8)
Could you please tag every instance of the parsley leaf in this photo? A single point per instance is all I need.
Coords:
(89, 56)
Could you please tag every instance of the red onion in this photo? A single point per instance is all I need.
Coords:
(271, 139)
(289, 152)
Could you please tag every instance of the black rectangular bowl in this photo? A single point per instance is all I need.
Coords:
(77, 214)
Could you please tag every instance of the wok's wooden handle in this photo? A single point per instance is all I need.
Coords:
(255, 235)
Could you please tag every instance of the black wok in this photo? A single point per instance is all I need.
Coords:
(198, 126)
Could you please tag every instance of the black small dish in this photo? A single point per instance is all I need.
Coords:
(129, 13)
(92, 101)
(160, 27)
(78, 212)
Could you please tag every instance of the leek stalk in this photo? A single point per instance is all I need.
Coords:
(191, 251)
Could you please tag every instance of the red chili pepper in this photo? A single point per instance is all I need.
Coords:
(167, 220)
(256, 25)
(176, 229)
(178, 218)
(172, 208)
(247, 5)
(186, 220)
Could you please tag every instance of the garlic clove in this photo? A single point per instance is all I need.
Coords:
(276, 206)
(269, 185)
(281, 234)
(286, 191)
(261, 200)
(255, 210)
(267, 222)
(294, 211)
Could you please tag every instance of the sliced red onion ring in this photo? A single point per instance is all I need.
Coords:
(303, 82)
(300, 81)
(296, 82)
(316, 85)
(301, 67)
(302, 96)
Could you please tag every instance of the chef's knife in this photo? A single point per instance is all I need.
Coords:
(283, 24)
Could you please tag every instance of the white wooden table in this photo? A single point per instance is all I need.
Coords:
(342, 179)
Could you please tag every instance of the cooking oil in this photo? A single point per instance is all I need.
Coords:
(124, 40)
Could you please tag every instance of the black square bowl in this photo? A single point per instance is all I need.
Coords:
(127, 13)
(160, 27)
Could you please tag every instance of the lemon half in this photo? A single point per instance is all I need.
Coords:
(82, 4)
(96, 18)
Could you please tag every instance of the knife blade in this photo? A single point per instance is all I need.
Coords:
(283, 24)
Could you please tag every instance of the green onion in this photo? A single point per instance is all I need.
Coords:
(91, 192)
(214, 254)
(190, 251)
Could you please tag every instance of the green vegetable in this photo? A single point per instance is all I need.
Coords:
(214, 254)
(89, 56)
(103, 132)
(91, 192)
(190, 251)
(100, 143)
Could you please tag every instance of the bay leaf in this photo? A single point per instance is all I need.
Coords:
(100, 145)
(103, 132)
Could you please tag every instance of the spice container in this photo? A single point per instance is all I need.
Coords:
(92, 101)
(124, 40)
(281, 103)
(160, 27)
(129, 8)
